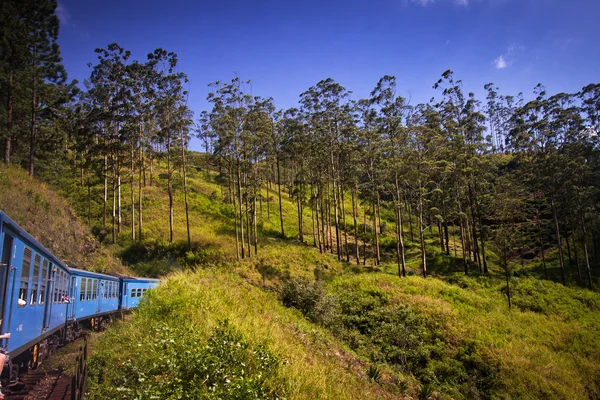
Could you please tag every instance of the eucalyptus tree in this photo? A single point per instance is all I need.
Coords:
(174, 119)
(536, 142)
(231, 104)
(463, 124)
(423, 142)
(108, 93)
(205, 133)
(508, 213)
(392, 111)
(324, 105)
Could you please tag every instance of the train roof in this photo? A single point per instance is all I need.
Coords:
(5, 219)
(138, 279)
(91, 274)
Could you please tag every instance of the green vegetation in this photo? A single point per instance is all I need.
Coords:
(177, 345)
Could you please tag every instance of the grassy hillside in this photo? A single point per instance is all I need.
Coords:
(50, 219)
(313, 327)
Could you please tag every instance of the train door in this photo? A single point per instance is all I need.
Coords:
(125, 296)
(5, 265)
(72, 297)
(47, 290)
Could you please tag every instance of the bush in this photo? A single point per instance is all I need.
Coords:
(175, 364)
(310, 298)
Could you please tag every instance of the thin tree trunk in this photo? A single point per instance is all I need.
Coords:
(119, 197)
(141, 184)
(579, 278)
(507, 284)
(335, 209)
(410, 224)
(114, 205)
(312, 214)
(399, 235)
(235, 214)
(9, 120)
(132, 185)
(279, 193)
(365, 237)
(585, 250)
(558, 241)
(254, 222)
(541, 239)
(185, 193)
(354, 215)
(32, 139)
(170, 187)
(343, 212)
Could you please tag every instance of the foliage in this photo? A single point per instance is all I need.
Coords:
(176, 364)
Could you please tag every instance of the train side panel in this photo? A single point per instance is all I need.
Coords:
(133, 289)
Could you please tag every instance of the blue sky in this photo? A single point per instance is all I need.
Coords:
(286, 46)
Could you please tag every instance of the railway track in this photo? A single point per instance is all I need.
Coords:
(34, 385)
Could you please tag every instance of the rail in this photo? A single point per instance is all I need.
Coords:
(81, 372)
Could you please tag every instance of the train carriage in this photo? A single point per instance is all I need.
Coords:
(33, 287)
(133, 289)
(92, 294)
(43, 302)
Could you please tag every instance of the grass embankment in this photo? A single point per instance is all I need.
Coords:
(376, 334)
(176, 347)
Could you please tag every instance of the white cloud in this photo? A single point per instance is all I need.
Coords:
(62, 14)
(509, 57)
(500, 63)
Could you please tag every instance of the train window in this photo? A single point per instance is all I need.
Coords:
(59, 283)
(133, 292)
(89, 289)
(115, 289)
(43, 282)
(66, 286)
(94, 289)
(55, 283)
(82, 289)
(139, 293)
(24, 285)
(35, 279)
(143, 292)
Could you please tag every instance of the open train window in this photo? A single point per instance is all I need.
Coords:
(25, 270)
(133, 292)
(65, 287)
(35, 279)
(42, 297)
(94, 289)
(82, 290)
(55, 284)
(88, 295)
(60, 285)
(139, 293)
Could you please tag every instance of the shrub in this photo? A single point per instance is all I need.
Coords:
(176, 364)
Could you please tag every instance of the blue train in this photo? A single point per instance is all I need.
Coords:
(45, 303)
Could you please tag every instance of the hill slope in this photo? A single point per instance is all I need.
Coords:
(50, 219)
(360, 332)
